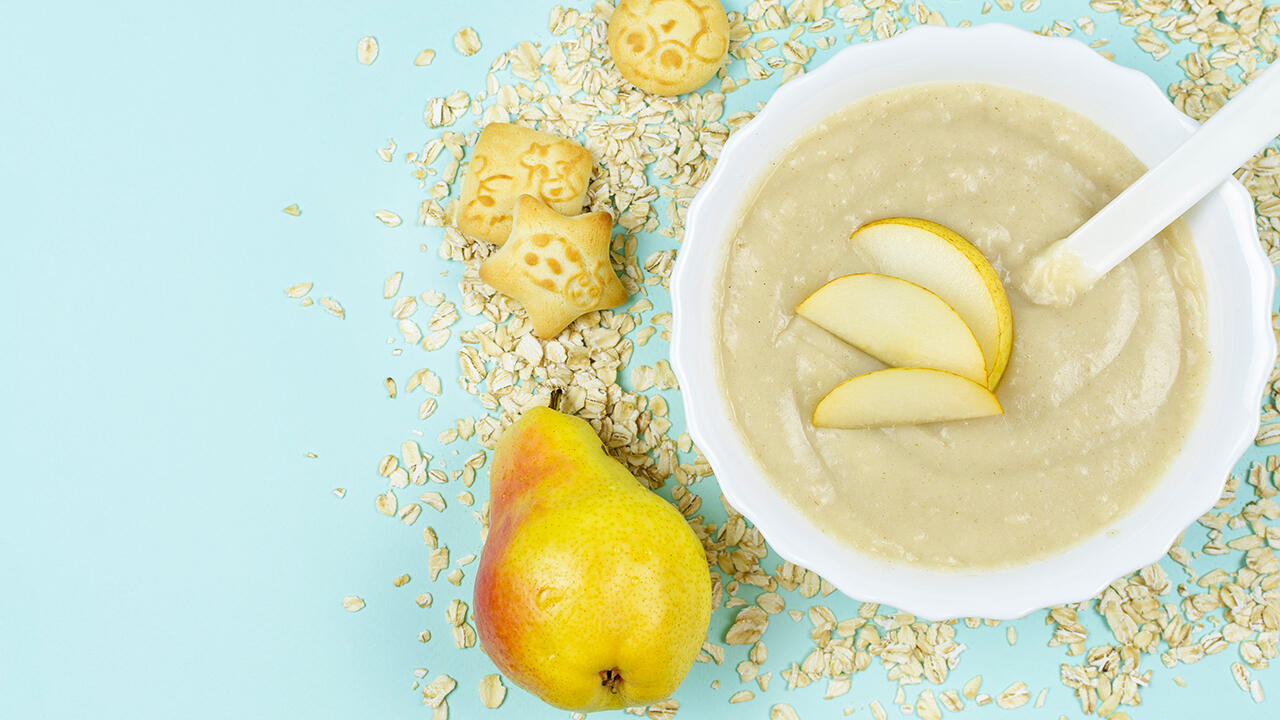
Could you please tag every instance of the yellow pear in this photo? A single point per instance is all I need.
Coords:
(592, 592)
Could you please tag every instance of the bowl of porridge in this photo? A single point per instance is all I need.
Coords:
(1120, 416)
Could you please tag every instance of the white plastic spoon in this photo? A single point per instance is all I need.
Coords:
(1243, 126)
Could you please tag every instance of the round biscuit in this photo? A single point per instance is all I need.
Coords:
(668, 47)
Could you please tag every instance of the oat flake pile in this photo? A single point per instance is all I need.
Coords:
(1217, 592)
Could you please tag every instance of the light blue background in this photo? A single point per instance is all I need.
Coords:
(166, 550)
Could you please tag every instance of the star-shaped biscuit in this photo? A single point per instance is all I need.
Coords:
(556, 266)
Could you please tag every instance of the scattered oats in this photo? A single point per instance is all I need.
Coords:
(444, 316)
(391, 387)
(783, 711)
(353, 603)
(1012, 635)
(747, 627)
(1179, 681)
(435, 693)
(367, 50)
(456, 613)
(466, 427)
(293, 210)
(1255, 691)
(426, 408)
(466, 498)
(436, 339)
(386, 503)
(404, 307)
(972, 686)
(927, 707)
(333, 307)
(340, 492)
(434, 500)
(741, 696)
(387, 465)
(877, 711)
(466, 560)
(409, 513)
(1241, 675)
(427, 380)
(771, 602)
(425, 57)
(388, 152)
(298, 290)
(455, 577)
(467, 41)
(492, 691)
(663, 710)
(429, 537)
(1040, 698)
(951, 701)
(391, 285)
(401, 581)
(386, 217)
(423, 600)
(438, 560)
(1014, 696)
(410, 330)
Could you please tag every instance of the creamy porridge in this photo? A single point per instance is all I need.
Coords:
(1097, 396)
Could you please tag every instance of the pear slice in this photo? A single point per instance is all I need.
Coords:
(904, 396)
(937, 258)
(897, 322)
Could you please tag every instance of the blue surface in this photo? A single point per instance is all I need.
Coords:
(166, 547)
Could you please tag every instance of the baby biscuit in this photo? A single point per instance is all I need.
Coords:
(556, 266)
(510, 161)
(668, 47)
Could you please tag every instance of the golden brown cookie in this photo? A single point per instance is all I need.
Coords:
(556, 266)
(668, 47)
(510, 161)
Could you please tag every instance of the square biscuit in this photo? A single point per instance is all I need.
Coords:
(510, 161)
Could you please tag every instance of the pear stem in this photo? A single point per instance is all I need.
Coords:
(611, 679)
(557, 394)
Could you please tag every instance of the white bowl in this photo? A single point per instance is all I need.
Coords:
(1238, 281)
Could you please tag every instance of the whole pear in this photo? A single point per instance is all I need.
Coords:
(592, 592)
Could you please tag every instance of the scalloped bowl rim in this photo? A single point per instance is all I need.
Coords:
(1239, 284)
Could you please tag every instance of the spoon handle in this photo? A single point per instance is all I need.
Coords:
(1248, 122)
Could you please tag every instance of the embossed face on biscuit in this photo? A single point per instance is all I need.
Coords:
(556, 266)
(510, 161)
(668, 47)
